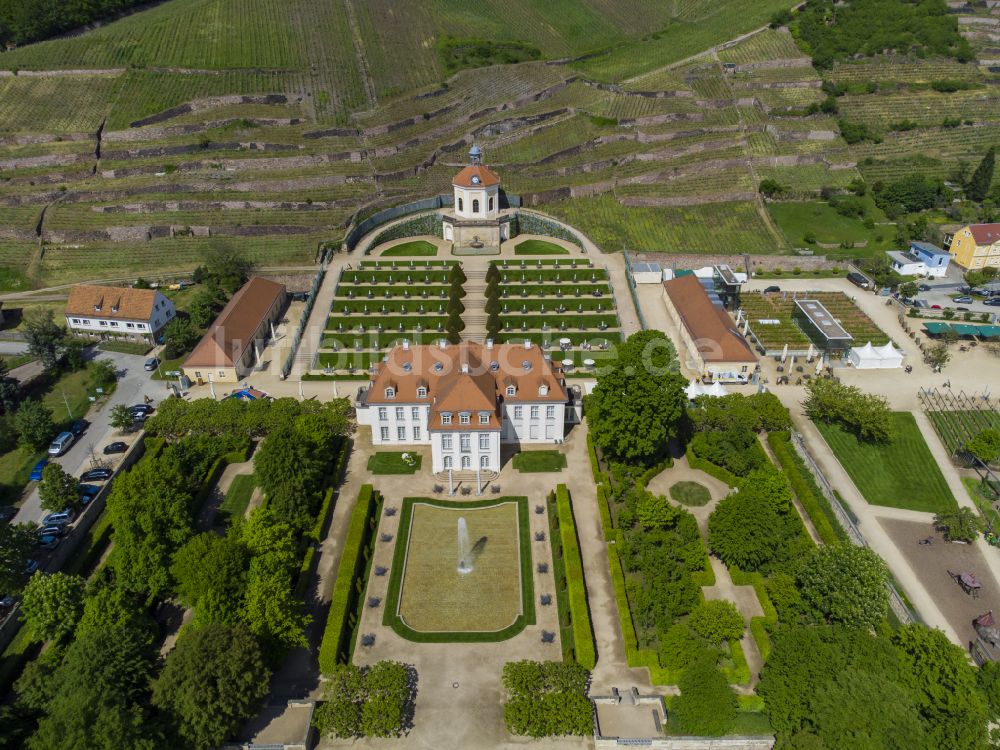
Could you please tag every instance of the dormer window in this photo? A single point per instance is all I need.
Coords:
(390, 392)
(511, 390)
(421, 392)
(484, 417)
(464, 418)
(543, 390)
(446, 418)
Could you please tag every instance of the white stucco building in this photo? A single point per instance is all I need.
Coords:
(466, 400)
(476, 219)
(117, 312)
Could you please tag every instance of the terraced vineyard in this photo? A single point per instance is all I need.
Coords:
(780, 328)
(277, 125)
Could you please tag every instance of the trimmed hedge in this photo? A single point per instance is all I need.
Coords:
(739, 673)
(215, 471)
(527, 616)
(759, 626)
(603, 482)
(566, 637)
(653, 471)
(348, 588)
(583, 634)
(314, 535)
(723, 475)
(804, 486)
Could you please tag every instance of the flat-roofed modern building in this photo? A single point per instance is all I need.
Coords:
(821, 327)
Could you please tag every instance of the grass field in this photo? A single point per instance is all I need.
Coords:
(690, 493)
(414, 249)
(391, 462)
(799, 220)
(234, 504)
(539, 247)
(539, 461)
(901, 474)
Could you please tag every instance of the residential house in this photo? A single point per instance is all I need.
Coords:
(112, 312)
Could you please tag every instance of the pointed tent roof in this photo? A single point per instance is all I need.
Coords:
(694, 390)
(887, 351)
(866, 351)
(717, 389)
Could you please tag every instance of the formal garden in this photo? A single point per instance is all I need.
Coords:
(381, 303)
(566, 306)
(961, 419)
(822, 604)
(461, 572)
(772, 323)
(101, 677)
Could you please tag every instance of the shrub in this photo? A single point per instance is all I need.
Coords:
(716, 621)
(547, 699)
(679, 648)
(707, 705)
(579, 610)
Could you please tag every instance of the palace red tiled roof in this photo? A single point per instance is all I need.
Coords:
(710, 326)
(486, 177)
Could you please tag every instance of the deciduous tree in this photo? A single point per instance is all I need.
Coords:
(844, 584)
(58, 489)
(707, 705)
(959, 524)
(16, 543)
(717, 620)
(214, 679)
(46, 339)
(33, 421)
(52, 604)
(985, 445)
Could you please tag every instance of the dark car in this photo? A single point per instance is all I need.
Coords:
(47, 541)
(966, 300)
(962, 309)
(859, 279)
(7, 512)
(52, 531)
(116, 447)
(993, 302)
(87, 492)
(772, 289)
(79, 426)
(31, 566)
(96, 475)
(141, 409)
(36, 472)
(924, 287)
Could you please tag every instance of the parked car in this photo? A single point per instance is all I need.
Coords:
(993, 302)
(151, 364)
(48, 541)
(62, 443)
(859, 279)
(96, 475)
(6, 602)
(87, 492)
(138, 417)
(59, 518)
(924, 287)
(963, 300)
(962, 309)
(52, 531)
(935, 307)
(141, 409)
(31, 566)
(7, 512)
(921, 303)
(36, 471)
(116, 447)
(772, 289)
(79, 426)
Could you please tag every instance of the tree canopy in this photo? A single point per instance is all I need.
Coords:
(547, 699)
(58, 489)
(52, 604)
(16, 543)
(214, 679)
(865, 414)
(706, 706)
(841, 583)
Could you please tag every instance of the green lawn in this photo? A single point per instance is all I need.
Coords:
(411, 250)
(539, 461)
(391, 462)
(690, 493)
(797, 218)
(234, 505)
(539, 247)
(902, 474)
(169, 365)
(126, 347)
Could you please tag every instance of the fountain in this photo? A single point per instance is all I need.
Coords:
(464, 550)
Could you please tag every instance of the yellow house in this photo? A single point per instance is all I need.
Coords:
(976, 246)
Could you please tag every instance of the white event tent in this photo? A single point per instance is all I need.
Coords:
(870, 357)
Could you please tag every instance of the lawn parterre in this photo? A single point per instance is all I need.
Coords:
(900, 474)
(539, 461)
(415, 249)
(394, 462)
(429, 600)
(539, 247)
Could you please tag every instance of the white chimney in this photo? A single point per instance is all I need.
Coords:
(443, 343)
(527, 344)
(489, 343)
(406, 345)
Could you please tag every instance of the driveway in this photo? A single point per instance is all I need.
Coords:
(133, 384)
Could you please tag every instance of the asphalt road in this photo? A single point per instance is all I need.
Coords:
(13, 347)
(133, 384)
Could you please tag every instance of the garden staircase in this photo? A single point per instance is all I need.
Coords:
(475, 316)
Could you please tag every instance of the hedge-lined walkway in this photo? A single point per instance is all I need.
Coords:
(744, 597)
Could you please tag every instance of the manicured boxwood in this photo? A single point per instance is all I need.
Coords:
(505, 264)
(389, 323)
(712, 470)
(558, 573)
(345, 308)
(389, 278)
(527, 616)
(314, 536)
(804, 485)
(359, 292)
(573, 321)
(562, 275)
(348, 588)
(559, 291)
(583, 634)
(571, 305)
(404, 264)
